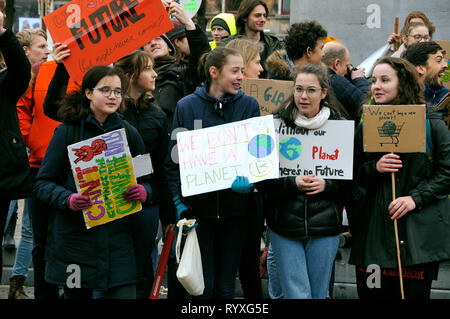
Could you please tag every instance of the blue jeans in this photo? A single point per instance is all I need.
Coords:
(13, 206)
(304, 266)
(25, 248)
(274, 281)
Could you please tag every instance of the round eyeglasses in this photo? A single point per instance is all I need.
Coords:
(106, 91)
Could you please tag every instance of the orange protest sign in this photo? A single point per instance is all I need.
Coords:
(99, 32)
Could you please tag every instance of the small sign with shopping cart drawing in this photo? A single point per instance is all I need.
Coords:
(394, 128)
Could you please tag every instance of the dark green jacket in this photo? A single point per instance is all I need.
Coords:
(424, 233)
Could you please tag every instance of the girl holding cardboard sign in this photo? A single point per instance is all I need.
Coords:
(222, 216)
(98, 261)
(306, 211)
(421, 207)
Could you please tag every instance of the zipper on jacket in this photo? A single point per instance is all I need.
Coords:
(217, 205)
(306, 216)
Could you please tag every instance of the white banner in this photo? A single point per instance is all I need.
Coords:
(211, 158)
(326, 152)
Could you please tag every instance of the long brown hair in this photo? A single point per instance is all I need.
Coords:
(289, 110)
(244, 10)
(409, 89)
(420, 15)
(132, 66)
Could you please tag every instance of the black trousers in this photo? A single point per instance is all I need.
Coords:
(4, 206)
(390, 287)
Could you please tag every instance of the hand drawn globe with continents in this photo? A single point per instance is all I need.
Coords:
(261, 145)
(290, 148)
(389, 128)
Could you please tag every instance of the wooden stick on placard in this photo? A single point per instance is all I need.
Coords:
(400, 273)
(396, 32)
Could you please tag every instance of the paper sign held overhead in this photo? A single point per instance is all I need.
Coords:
(394, 128)
(102, 169)
(211, 158)
(270, 94)
(101, 32)
(326, 152)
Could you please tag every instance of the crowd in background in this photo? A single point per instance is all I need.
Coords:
(170, 83)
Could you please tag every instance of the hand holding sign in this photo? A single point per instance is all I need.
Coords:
(389, 163)
(400, 206)
(59, 52)
(179, 13)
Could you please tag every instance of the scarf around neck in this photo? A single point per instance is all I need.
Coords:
(315, 122)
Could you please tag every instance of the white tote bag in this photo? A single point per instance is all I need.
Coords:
(190, 270)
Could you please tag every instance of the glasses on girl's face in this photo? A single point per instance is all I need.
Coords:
(419, 37)
(309, 91)
(106, 91)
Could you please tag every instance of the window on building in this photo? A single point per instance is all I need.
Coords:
(285, 7)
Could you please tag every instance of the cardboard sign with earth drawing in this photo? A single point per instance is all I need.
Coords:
(394, 128)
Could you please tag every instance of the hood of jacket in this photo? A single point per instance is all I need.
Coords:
(229, 19)
(279, 66)
(218, 104)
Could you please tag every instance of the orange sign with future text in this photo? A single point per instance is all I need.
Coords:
(99, 32)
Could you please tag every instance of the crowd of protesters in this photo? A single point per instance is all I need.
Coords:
(170, 83)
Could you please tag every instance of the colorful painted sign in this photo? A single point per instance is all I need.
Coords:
(326, 152)
(394, 128)
(99, 32)
(102, 168)
(211, 158)
(270, 94)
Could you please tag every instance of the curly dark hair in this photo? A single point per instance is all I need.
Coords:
(76, 106)
(301, 36)
(409, 89)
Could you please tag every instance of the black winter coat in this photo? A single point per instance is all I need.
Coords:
(104, 253)
(151, 124)
(15, 181)
(424, 233)
(291, 213)
(176, 80)
(200, 106)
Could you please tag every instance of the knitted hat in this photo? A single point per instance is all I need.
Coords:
(169, 43)
(220, 23)
(178, 31)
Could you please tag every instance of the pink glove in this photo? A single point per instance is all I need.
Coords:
(135, 192)
(78, 202)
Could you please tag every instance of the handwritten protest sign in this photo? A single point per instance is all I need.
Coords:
(446, 77)
(99, 32)
(270, 94)
(326, 152)
(102, 169)
(211, 158)
(394, 128)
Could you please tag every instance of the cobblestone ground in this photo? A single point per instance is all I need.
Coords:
(4, 291)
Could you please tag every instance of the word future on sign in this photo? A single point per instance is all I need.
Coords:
(326, 152)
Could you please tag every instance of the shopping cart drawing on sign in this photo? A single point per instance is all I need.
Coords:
(390, 130)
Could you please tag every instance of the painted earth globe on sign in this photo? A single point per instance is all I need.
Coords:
(261, 145)
(290, 148)
(389, 128)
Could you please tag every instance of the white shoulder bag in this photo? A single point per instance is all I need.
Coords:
(190, 270)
